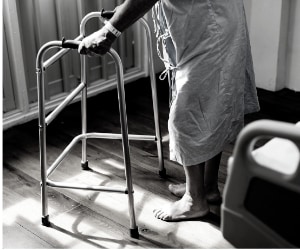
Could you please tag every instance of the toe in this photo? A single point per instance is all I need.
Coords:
(165, 217)
(160, 214)
(157, 213)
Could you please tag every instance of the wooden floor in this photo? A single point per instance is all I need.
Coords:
(86, 219)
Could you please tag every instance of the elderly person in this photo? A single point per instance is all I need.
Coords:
(207, 54)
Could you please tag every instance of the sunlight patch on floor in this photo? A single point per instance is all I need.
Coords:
(27, 208)
(75, 231)
(114, 163)
(115, 208)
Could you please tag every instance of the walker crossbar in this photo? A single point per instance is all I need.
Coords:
(78, 138)
(58, 55)
(64, 103)
(87, 187)
(41, 66)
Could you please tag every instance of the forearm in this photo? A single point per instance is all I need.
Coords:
(125, 15)
(129, 12)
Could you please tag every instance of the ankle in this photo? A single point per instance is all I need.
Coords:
(195, 203)
(195, 196)
(211, 187)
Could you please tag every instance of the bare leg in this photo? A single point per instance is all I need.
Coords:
(193, 204)
(211, 181)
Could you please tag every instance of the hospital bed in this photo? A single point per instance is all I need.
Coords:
(261, 207)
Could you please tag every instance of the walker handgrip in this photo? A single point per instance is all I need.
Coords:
(107, 14)
(70, 44)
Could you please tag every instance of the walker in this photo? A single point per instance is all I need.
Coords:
(46, 171)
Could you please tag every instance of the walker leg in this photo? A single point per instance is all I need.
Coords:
(84, 161)
(125, 142)
(45, 221)
(42, 143)
(43, 166)
(85, 166)
(162, 170)
(162, 173)
(44, 197)
(134, 233)
(133, 227)
(45, 216)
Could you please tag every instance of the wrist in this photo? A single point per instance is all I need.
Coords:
(108, 26)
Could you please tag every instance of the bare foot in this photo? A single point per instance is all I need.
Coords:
(177, 189)
(212, 194)
(184, 209)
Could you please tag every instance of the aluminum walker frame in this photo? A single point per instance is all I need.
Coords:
(44, 121)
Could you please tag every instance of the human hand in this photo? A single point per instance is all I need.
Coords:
(98, 43)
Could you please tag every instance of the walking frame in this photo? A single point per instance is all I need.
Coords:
(44, 121)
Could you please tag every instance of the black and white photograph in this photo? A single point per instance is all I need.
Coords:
(156, 124)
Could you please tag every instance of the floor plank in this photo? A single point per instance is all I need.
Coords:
(104, 203)
(85, 219)
(72, 224)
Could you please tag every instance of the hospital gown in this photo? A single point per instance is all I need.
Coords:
(207, 53)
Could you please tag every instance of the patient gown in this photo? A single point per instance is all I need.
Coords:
(206, 51)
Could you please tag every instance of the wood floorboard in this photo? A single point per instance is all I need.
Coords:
(73, 225)
(86, 219)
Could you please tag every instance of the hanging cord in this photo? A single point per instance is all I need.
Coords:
(162, 34)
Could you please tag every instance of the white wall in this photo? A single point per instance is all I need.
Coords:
(274, 27)
(293, 52)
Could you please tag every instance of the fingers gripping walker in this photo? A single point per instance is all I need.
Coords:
(41, 67)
